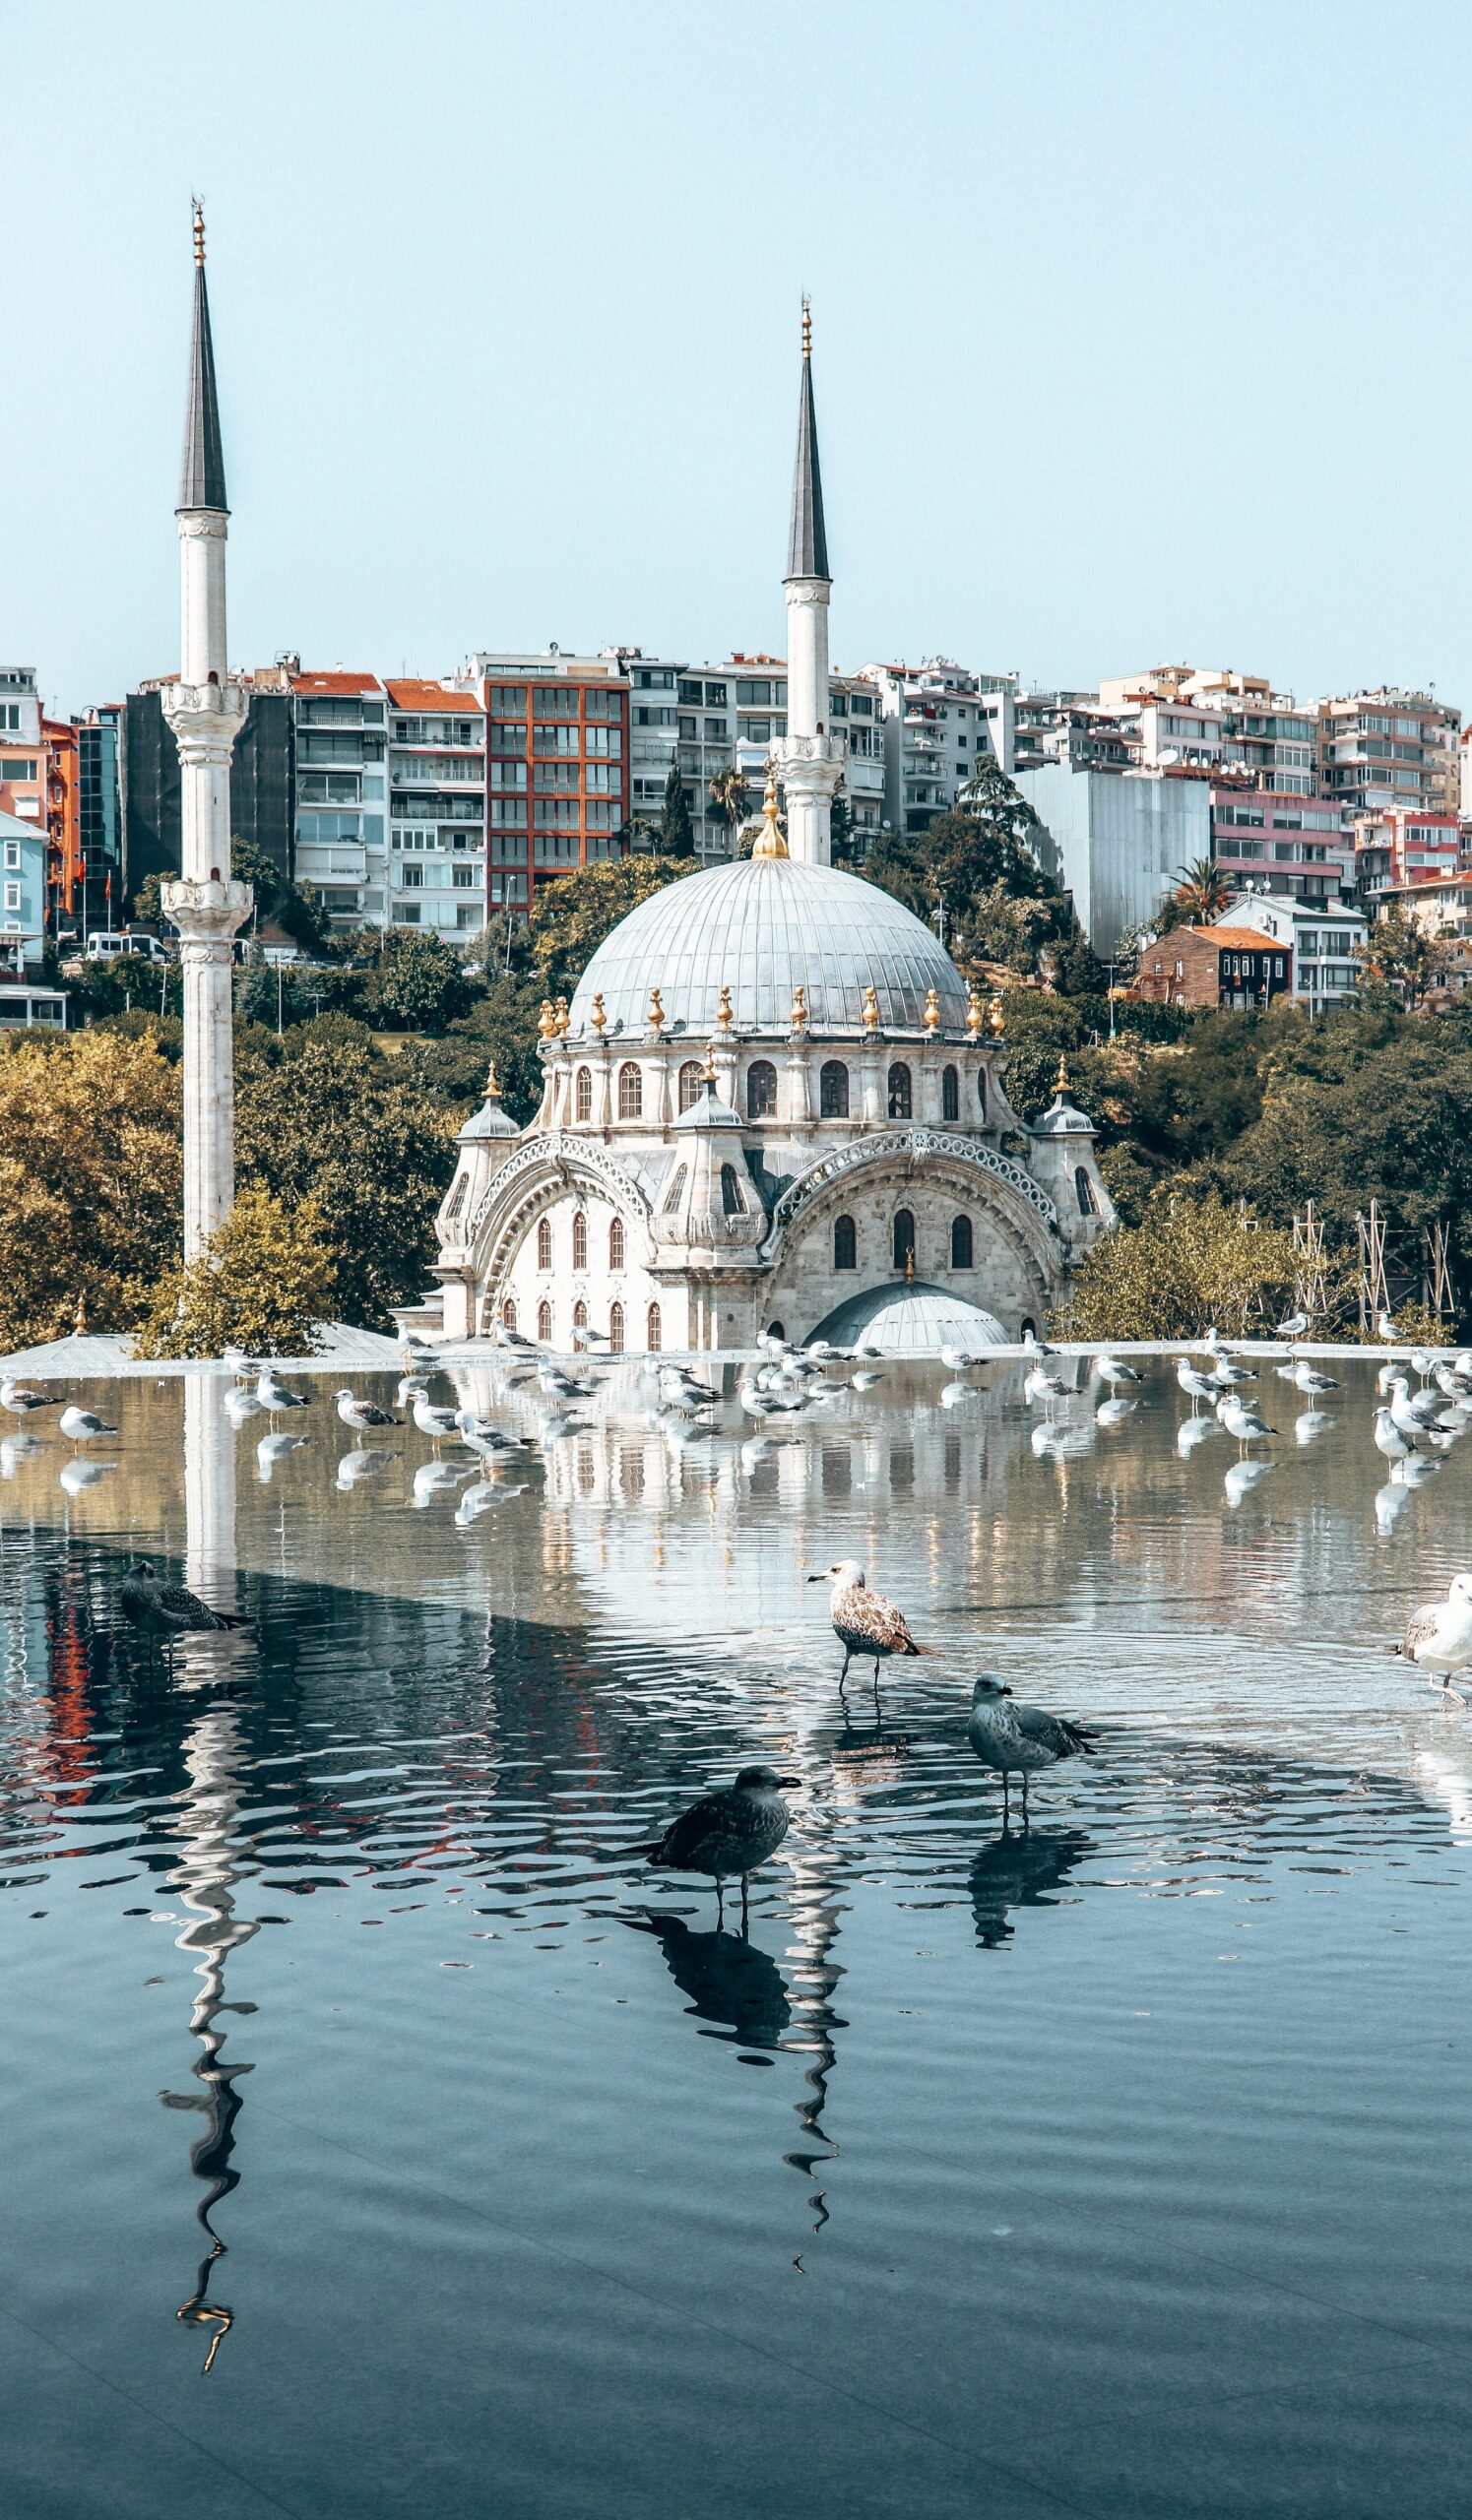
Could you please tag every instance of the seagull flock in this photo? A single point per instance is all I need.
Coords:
(729, 1833)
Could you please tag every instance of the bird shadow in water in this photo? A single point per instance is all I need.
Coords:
(729, 1981)
(1021, 1870)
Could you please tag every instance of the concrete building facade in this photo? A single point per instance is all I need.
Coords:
(1117, 843)
(1387, 748)
(1322, 940)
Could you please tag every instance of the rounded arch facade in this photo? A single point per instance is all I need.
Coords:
(587, 1204)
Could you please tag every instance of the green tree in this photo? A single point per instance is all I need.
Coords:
(91, 1179)
(502, 1028)
(1398, 953)
(411, 982)
(984, 851)
(250, 864)
(263, 1282)
(843, 831)
(1077, 971)
(571, 918)
(299, 910)
(148, 899)
(1199, 893)
(732, 799)
(676, 834)
(1190, 1261)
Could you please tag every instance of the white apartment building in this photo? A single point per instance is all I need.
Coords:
(436, 862)
(341, 739)
(705, 718)
(1325, 941)
(939, 720)
(1117, 841)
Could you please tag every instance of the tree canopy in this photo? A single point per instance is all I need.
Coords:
(91, 1179)
(571, 918)
(675, 834)
(981, 859)
(265, 1282)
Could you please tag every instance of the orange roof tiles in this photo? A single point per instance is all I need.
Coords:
(431, 695)
(344, 686)
(1239, 939)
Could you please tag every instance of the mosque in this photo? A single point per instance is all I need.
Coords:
(773, 1102)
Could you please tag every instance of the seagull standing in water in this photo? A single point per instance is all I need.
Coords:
(1113, 1371)
(1018, 1740)
(274, 1395)
(729, 1832)
(360, 1415)
(21, 1400)
(863, 1622)
(168, 1610)
(84, 1424)
(1439, 1636)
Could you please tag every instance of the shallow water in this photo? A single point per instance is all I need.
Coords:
(379, 2141)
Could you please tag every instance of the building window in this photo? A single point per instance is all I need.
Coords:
(691, 1076)
(579, 1315)
(652, 1330)
(1083, 1188)
(579, 1240)
(616, 1243)
(545, 1321)
(845, 1244)
(950, 1094)
(904, 1237)
(508, 1314)
(545, 1243)
(899, 1096)
(761, 1091)
(732, 1203)
(980, 1094)
(961, 1244)
(630, 1092)
(616, 1328)
(581, 1095)
(675, 1191)
(833, 1090)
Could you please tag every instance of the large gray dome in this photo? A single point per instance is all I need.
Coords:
(761, 926)
(916, 1320)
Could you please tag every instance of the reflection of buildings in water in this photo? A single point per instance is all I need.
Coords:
(1021, 1870)
(205, 1877)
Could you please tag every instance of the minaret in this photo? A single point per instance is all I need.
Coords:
(205, 711)
(810, 761)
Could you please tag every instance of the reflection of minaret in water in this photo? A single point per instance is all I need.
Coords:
(813, 1899)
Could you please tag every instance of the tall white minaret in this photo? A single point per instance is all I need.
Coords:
(205, 711)
(811, 762)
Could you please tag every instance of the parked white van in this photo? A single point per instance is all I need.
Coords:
(104, 945)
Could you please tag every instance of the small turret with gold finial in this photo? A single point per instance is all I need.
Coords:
(976, 1014)
(769, 841)
(598, 1018)
(1061, 1081)
(997, 1021)
(562, 1015)
(799, 1008)
(546, 1021)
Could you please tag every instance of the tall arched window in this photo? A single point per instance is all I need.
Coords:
(630, 1092)
(761, 1091)
(508, 1314)
(545, 1243)
(900, 1096)
(616, 1243)
(615, 1327)
(904, 1237)
(579, 1315)
(732, 1203)
(1088, 1205)
(845, 1244)
(652, 1330)
(676, 1189)
(545, 1321)
(981, 1093)
(691, 1076)
(581, 1095)
(833, 1090)
(579, 1240)
(950, 1094)
(961, 1244)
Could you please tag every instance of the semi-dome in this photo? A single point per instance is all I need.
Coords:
(914, 1320)
(761, 928)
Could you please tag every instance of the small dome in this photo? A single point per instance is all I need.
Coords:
(916, 1320)
(762, 927)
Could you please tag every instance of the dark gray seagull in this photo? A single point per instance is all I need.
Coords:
(730, 1831)
(1019, 1740)
(168, 1610)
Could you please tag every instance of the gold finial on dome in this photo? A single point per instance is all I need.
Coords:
(546, 1022)
(724, 1014)
(708, 1072)
(799, 1008)
(492, 1084)
(769, 841)
(997, 1021)
(1061, 1081)
(562, 1015)
(932, 1017)
(199, 230)
(655, 1019)
(598, 1018)
(870, 1008)
(975, 1013)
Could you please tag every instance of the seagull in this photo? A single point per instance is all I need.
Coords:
(1242, 1421)
(863, 1622)
(1439, 1636)
(1033, 1346)
(1224, 1373)
(1200, 1386)
(1292, 1326)
(483, 1435)
(1388, 1438)
(592, 1340)
(730, 1831)
(19, 1399)
(360, 1415)
(677, 1383)
(1113, 1371)
(1043, 1389)
(434, 1422)
(168, 1610)
(1310, 1380)
(274, 1395)
(505, 1338)
(240, 1402)
(1414, 1416)
(81, 1424)
(1388, 1329)
(560, 1386)
(1018, 1740)
(957, 1359)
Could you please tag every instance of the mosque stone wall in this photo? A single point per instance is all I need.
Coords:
(1015, 1270)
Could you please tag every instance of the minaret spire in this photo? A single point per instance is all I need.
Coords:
(807, 542)
(810, 761)
(202, 474)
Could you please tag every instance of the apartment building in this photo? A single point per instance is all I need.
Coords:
(23, 894)
(939, 720)
(1322, 940)
(1116, 842)
(340, 758)
(707, 719)
(558, 766)
(262, 778)
(63, 811)
(1068, 727)
(100, 814)
(23, 751)
(1268, 836)
(1386, 748)
(436, 873)
(1441, 903)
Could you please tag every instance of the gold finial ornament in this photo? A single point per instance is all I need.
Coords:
(655, 1016)
(932, 1012)
(546, 1022)
(806, 325)
(800, 1007)
(769, 841)
(724, 1014)
(975, 1012)
(708, 1072)
(870, 1009)
(598, 1018)
(909, 1266)
(492, 1084)
(1061, 1081)
(199, 230)
(997, 1021)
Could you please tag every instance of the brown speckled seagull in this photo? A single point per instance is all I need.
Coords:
(732, 1830)
(863, 1622)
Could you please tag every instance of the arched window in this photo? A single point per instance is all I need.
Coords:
(904, 1237)
(1029, 1328)
(652, 1330)
(950, 1094)
(676, 1190)
(1088, 1205)
(732, 1203)
(845, 1244)
(961, 1244)
(761, 1091)
(579, 1315)
(616, 1243)
(775, 1330)
(545, 1321)
(579, 1240)
(545, 1243)
(508, 1314)
(616, 1328)
(899, 1096)
(581, 1095)
(630, 1092)
(833, 1090)
(981, 1093)
(691, 1077)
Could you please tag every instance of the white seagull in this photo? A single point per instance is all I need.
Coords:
(84, 1425)
(1439, 1636)
(21, 1400)
(360, 1414)
(273, 1393)
(1242, 1421)
(1113, 1371)
(1310, 1380)
(863, 1622)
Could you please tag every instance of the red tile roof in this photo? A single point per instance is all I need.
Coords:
(432, 695)
(344, 686)
(1242, 939)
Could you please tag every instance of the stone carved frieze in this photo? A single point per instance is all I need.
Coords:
(861, 1153)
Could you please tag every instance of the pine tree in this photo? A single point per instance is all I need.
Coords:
(676, 834)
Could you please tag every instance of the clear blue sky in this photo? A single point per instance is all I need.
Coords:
(1140, 330)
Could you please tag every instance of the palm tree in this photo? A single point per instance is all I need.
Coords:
(732, 798)
(1202, 890)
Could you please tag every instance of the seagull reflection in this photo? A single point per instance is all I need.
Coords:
(1193, 1431)
(1020, 1871)
(432, 1478)
(729, 1981)
(1391, 1501)
(15, 1449)
(361, 1463)
(1242, 1478)
(75, 1475)
(1310, 1422)
(273, 1448)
